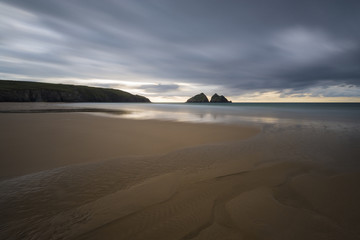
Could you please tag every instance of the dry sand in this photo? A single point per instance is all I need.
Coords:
(100, 178)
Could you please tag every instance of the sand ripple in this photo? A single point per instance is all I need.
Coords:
(273, 186)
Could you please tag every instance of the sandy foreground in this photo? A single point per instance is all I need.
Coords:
(77, 176)
(36, 142)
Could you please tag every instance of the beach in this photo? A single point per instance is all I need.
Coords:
(42, 141)
(85, 176)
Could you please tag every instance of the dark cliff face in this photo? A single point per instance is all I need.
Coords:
(200, 98)
(16, 91)
(219, 99)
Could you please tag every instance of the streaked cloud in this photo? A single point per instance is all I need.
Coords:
(179, 48)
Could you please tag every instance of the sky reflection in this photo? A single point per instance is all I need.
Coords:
(294, 114)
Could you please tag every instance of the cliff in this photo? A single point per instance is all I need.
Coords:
(19, 91)
(200, 98)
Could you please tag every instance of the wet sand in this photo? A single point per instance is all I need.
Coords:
(76, 176)
(32, 142)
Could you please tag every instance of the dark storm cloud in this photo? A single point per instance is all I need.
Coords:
(240, 45)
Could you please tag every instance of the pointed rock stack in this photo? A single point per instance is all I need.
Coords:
(219, 99)
(200, 98)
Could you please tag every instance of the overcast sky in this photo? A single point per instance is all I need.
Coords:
(169, 50)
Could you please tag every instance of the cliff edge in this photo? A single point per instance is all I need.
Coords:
(21, 91)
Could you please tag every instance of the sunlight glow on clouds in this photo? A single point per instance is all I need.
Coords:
(304, 45)
(341, 93)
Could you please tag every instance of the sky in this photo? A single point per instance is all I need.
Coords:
(170, 50)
